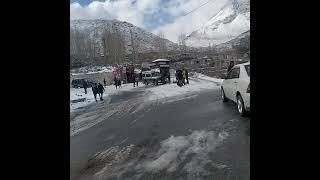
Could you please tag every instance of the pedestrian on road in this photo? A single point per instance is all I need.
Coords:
(184, 76)
(116, 82)
(137, 79)
(85, 86)
(179, 78)
(100, 91)
(187, 76)
(134, 79)
(128, 77)
(119, 83)
(231, 64)
(104, 82)
(95, 91)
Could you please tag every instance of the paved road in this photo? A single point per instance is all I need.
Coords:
(127, 119)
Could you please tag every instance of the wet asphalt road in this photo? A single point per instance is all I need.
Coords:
(136, 122)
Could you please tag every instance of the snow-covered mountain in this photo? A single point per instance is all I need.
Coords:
(143, 41)
(242, 40)
(232, 20)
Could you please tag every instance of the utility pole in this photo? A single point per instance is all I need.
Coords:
(220, 74)
(133, 48)
(104, 50)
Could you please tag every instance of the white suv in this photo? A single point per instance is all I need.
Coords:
(236, 87)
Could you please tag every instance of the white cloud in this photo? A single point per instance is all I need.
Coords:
(148, 6)
(123, 10)
(193, 21)
(137, 13)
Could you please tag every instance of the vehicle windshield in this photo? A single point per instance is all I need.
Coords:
(248, 69)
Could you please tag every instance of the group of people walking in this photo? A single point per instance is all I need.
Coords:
(97, 88)
(136, 78)
(117, 82)
(182, 77)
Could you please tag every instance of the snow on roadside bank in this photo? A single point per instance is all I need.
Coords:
(166, 93)
(173, 91)
(92, 70)
(204, 77)
(78, 93)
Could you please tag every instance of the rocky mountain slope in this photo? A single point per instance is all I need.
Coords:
(143, 41)
(232, 20)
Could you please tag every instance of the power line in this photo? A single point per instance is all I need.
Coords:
(196, 8)
(218, 11)
(212, 15)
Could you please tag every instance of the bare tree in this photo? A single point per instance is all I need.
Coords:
(161, 44)
(133, 48)
(113, 46)
(81, 46)
(182, 42)
(120, 46)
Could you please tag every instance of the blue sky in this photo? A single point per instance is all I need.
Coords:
(166, 16)
(82, 2)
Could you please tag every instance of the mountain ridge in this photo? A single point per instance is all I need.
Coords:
(232, 20)
(143, 40)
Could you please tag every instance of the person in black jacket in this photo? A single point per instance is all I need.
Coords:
(179, 78)
(100, 91)
(119, 83)
(95, 91)
(85, 86)
(134, 79)
(115, 82)
(231, 64)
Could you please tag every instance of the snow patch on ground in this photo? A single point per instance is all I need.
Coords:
(92, 70)
(165, 93)
(176, 150)
(204, 77)
(78, 93)
(169, 92)
(87, 121)
(111, 156)
(178, 154)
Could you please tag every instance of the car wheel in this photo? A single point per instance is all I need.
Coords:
(223, 96)
(240, 106)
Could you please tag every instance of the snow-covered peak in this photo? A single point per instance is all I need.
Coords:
(241, 40)
(232, 20)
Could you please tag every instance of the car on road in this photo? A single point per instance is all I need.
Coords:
(236, 87)
(151, 77)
